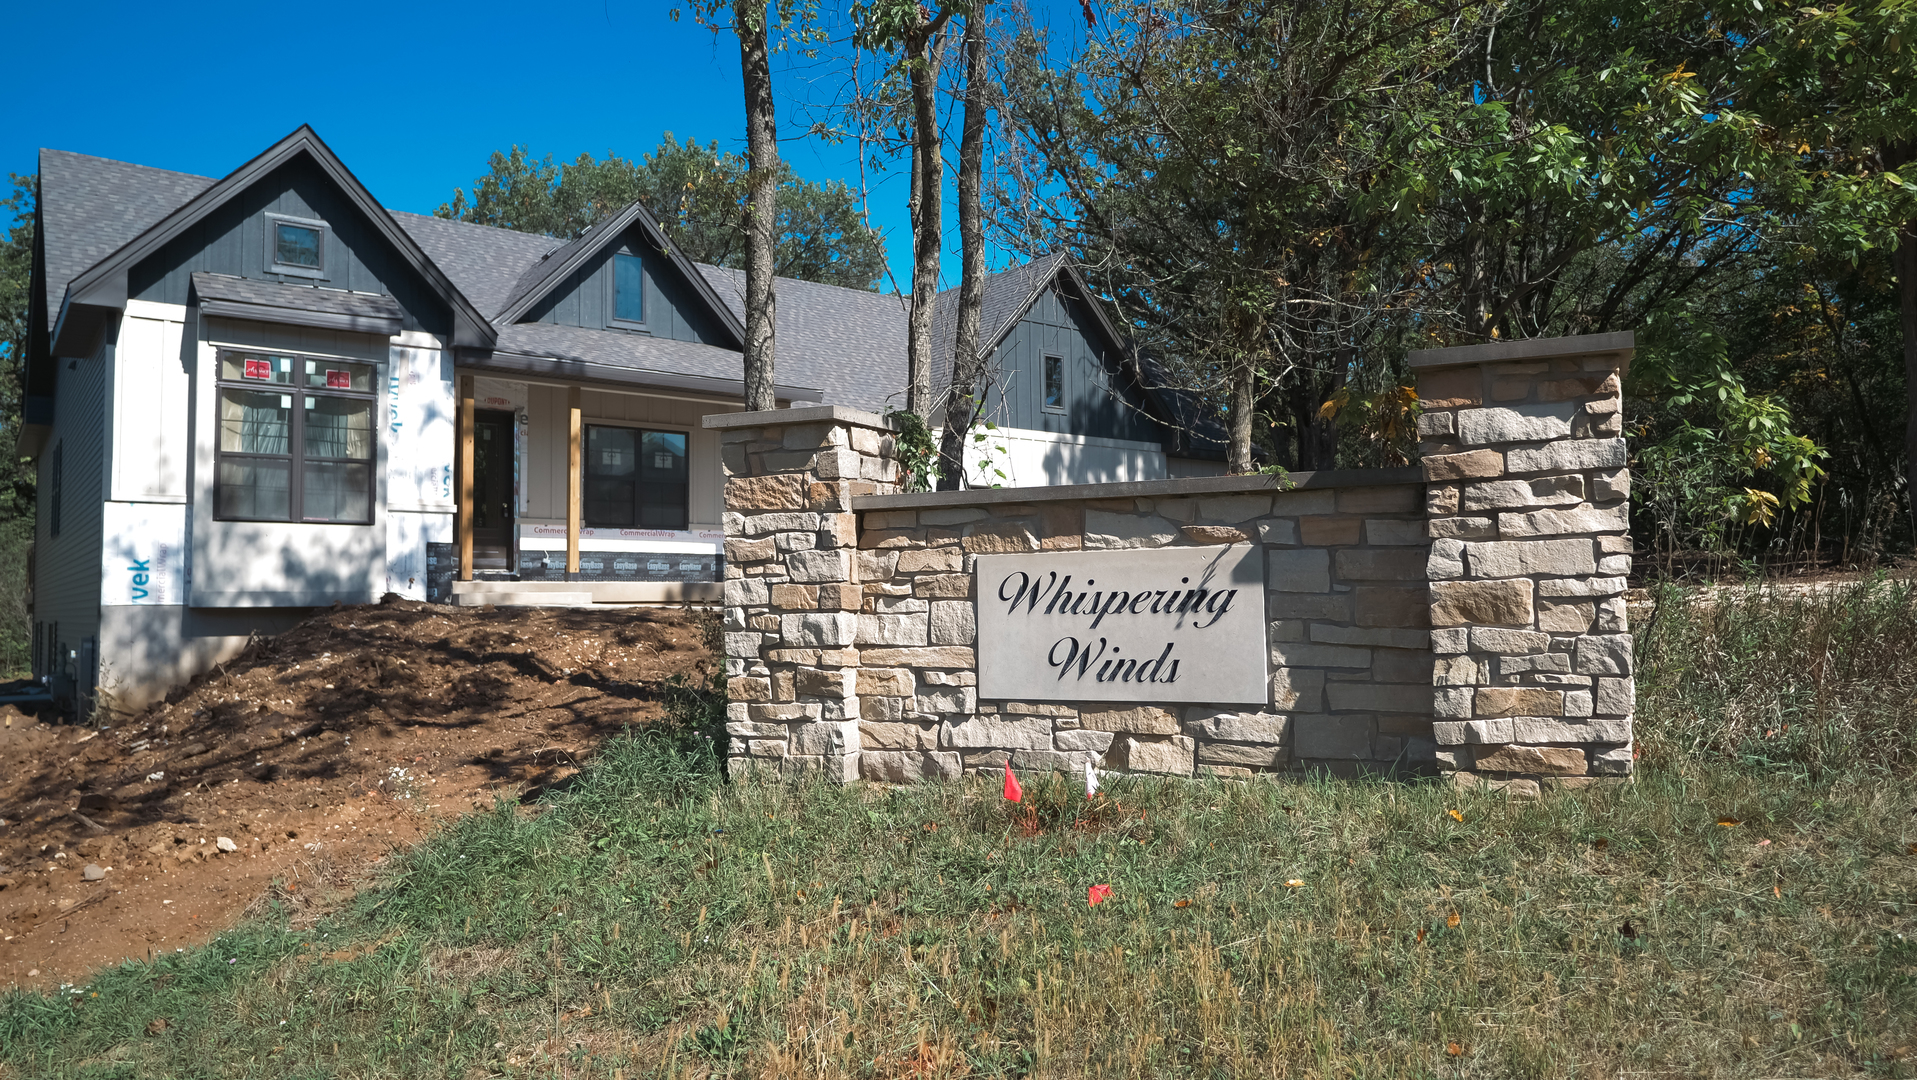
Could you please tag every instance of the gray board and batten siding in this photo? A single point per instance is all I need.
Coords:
(232, 240)
(673, 309)
(1099, 400)
(67, 566)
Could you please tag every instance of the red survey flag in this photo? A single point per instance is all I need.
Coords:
(1098, 894)
(1013, 793)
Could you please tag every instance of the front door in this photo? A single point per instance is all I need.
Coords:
(492, 490)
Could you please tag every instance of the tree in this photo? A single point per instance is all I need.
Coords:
(761, 209)
(16, 472)
(961, 403)
(697, 193)
(1217, 166)
(16, 271)
(1837, 93)
(913, 31)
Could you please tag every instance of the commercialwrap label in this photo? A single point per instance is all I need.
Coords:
(1149, 625)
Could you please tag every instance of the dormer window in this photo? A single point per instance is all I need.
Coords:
(628, 290)
(295, 247)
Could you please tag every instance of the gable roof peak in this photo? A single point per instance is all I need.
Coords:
(104, 284)
(551, 270)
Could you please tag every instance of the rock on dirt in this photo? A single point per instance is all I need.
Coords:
(316, 754)
(225, 843)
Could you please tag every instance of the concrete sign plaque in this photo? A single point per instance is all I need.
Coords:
(1183, 624)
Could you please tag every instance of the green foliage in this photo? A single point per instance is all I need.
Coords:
(1708, 442)
(992, 459)
(17, 477)
(1807, 679)
(916, 450)
(697, 193)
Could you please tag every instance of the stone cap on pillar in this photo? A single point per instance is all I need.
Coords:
(811, 414)
(1620, 344)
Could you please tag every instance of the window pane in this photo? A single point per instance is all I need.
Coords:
(609, 503)
(255, 422)
(339, 375)
(296, 245)
(251, 488)
(334, 491)
(338, 427)
(256, 367)
(629, 287)
(611, 451)
(662, 456)
(1054, 382)
(662, 506)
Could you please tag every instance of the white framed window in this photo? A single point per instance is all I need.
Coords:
(296, 246)
(297, 439)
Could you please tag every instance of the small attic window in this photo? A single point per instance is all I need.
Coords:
(628, 289)
(295, 246)
(1054, 384)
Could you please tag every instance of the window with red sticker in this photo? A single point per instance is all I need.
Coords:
(338, 380)
(258, 369)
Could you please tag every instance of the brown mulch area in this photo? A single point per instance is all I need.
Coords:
(316, 754)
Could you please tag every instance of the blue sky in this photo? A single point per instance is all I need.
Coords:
(412, 96)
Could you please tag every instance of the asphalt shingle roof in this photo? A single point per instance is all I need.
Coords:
(635, 353)
(295, 297)
(485, 263)
(91, 206)
(848, 342)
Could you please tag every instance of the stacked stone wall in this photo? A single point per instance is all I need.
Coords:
(1529, 518)
(1465, 615)
(1347, 629)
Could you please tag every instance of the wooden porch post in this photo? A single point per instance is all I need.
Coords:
(463, 515)
(575, 479)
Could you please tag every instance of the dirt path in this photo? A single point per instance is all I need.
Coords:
(313, 755)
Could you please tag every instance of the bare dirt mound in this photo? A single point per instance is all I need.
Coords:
(297, 765)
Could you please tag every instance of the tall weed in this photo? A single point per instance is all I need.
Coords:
(1816, 682)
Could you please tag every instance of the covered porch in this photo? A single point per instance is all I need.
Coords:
(578, 492)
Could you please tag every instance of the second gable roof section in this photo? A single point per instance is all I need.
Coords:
(552, 271)
(1008, 297)
(105, 283)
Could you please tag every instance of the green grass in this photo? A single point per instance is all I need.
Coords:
(799, 931)
(654, 920)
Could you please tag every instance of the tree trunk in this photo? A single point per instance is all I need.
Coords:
(961, 403)
(927, 219)
(1244, 405)
(1904, 263)
(762, 212)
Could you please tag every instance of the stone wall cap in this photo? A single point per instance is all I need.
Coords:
(1190, 485)
(1496, 352)
(808, 414)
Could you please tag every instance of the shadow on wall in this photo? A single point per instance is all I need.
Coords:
(1048, 458)
(286, 564)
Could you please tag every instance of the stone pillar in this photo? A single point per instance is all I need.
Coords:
(792, 594)
(1527, 505)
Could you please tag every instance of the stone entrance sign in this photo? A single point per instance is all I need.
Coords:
(1164, 625)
